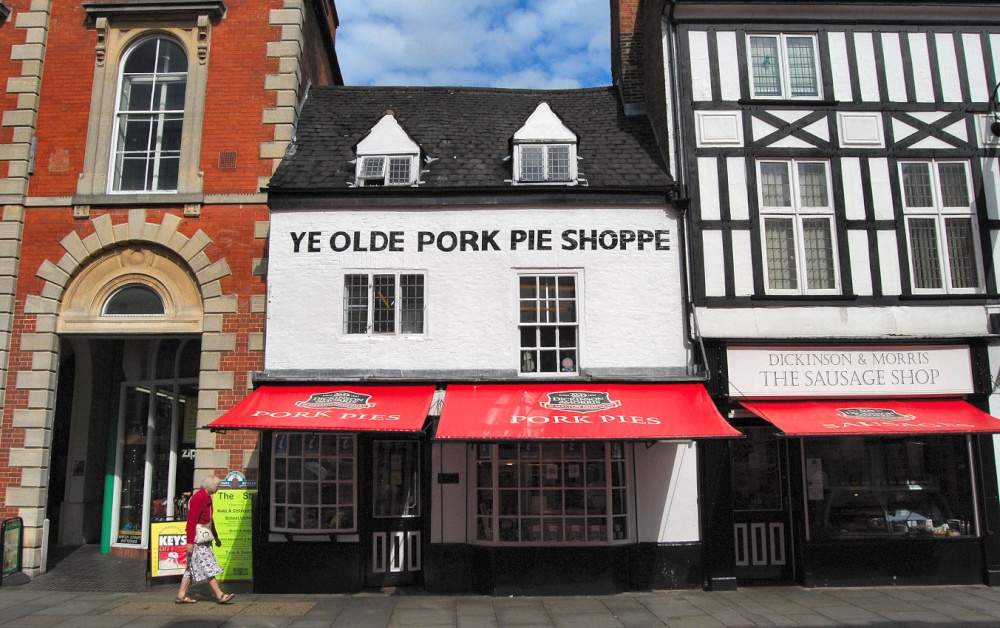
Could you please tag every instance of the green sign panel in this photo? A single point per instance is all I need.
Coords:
(231, 511)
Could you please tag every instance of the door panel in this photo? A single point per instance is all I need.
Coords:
(761, 506)
(396, 515)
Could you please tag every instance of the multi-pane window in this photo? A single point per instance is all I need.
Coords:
(784, 66)
(149, 117)
(544, 162)
(313, 485)
(548, 325)
(798, 227)
(385, 170)
(551, 492)
(940, 226)
(384, 303)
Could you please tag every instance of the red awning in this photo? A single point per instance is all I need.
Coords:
(580, 411)
(349, 408)
(874, 417)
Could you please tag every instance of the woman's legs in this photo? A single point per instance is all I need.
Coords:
(185, 583)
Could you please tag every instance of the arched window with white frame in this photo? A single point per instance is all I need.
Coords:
(149, 117)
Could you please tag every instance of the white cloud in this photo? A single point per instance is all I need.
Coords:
(489, 43)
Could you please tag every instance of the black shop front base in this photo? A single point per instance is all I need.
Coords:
(507, 571)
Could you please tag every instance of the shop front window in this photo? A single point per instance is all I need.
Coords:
(313, 487)
(912, 487)
(551, 493)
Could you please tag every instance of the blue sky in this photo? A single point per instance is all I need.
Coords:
(538, 44)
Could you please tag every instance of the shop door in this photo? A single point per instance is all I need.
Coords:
(396, 543)
(761, 510)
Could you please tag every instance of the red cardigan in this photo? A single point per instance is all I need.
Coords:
(199, 511)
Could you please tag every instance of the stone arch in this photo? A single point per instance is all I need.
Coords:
(108, 242)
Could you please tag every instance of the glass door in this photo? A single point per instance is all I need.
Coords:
(761, 509)
(397, 522)
(153, 438)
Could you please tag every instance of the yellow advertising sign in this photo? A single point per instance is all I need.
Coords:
(231, 510)
(168, 556)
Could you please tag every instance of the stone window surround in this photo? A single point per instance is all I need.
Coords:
(36, 419)
(118, 26)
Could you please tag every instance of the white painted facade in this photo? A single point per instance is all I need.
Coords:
(629, 300)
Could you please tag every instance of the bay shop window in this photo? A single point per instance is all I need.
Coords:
(551, 492)
(313, 483)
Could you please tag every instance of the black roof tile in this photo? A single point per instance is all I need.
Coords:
(468, 132)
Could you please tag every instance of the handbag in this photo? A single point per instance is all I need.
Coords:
(203, 534)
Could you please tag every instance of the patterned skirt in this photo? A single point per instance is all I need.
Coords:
(201, 565)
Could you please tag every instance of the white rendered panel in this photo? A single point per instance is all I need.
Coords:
(715, 277)
(894, 73)
(840, 67)
(736, 168)
(995, 48)
(951, 86)
(729, 65)
(708, 188)
(979, 91)
(921, 61)
(860, 129)
(880, 178)
(854, 198)
(666, 489)
(719, 128)
(861, 268)
(991, 187)
(743, 264)
(447, 503)
(864, 50)
(701, 70)
(888, 257)
(829, 324)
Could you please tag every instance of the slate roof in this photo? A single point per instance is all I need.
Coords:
(468, 132)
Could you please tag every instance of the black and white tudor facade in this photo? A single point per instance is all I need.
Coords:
(842, 176)
(479, 374)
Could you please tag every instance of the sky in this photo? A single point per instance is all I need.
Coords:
(533, 44)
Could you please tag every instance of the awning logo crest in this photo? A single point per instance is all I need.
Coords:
(337, 399)
(880, 414)
(579, 401)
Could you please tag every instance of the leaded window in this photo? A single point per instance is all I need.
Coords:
(784, 66)
(940, 227)
(544, 162)
(384, 303)
(798, 227)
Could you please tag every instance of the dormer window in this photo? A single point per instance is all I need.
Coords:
(387, 155)
(545, 149)
(385, 170)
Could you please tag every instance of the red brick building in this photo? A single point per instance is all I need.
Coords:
(136, 145)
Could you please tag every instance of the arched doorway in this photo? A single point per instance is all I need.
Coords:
(125, 416)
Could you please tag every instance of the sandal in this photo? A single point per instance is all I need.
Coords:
(226, 599)
(185, 600)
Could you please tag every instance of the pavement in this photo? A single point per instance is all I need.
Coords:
(83, 588)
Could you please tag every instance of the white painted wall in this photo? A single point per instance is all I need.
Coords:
(630, 301)
(666, 492)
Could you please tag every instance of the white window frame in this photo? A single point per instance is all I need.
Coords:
(547, 177)
(940, 214)
(529, 357)
(496, 519)
(798, 213)
(384, 171)
(344, 452)
(784, 73)
(370, 308)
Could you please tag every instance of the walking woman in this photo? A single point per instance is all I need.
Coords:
(201, 563)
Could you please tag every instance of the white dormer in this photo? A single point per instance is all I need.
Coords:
(544, 149)
(387, 155)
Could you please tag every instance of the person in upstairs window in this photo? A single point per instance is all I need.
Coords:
(201, 563)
